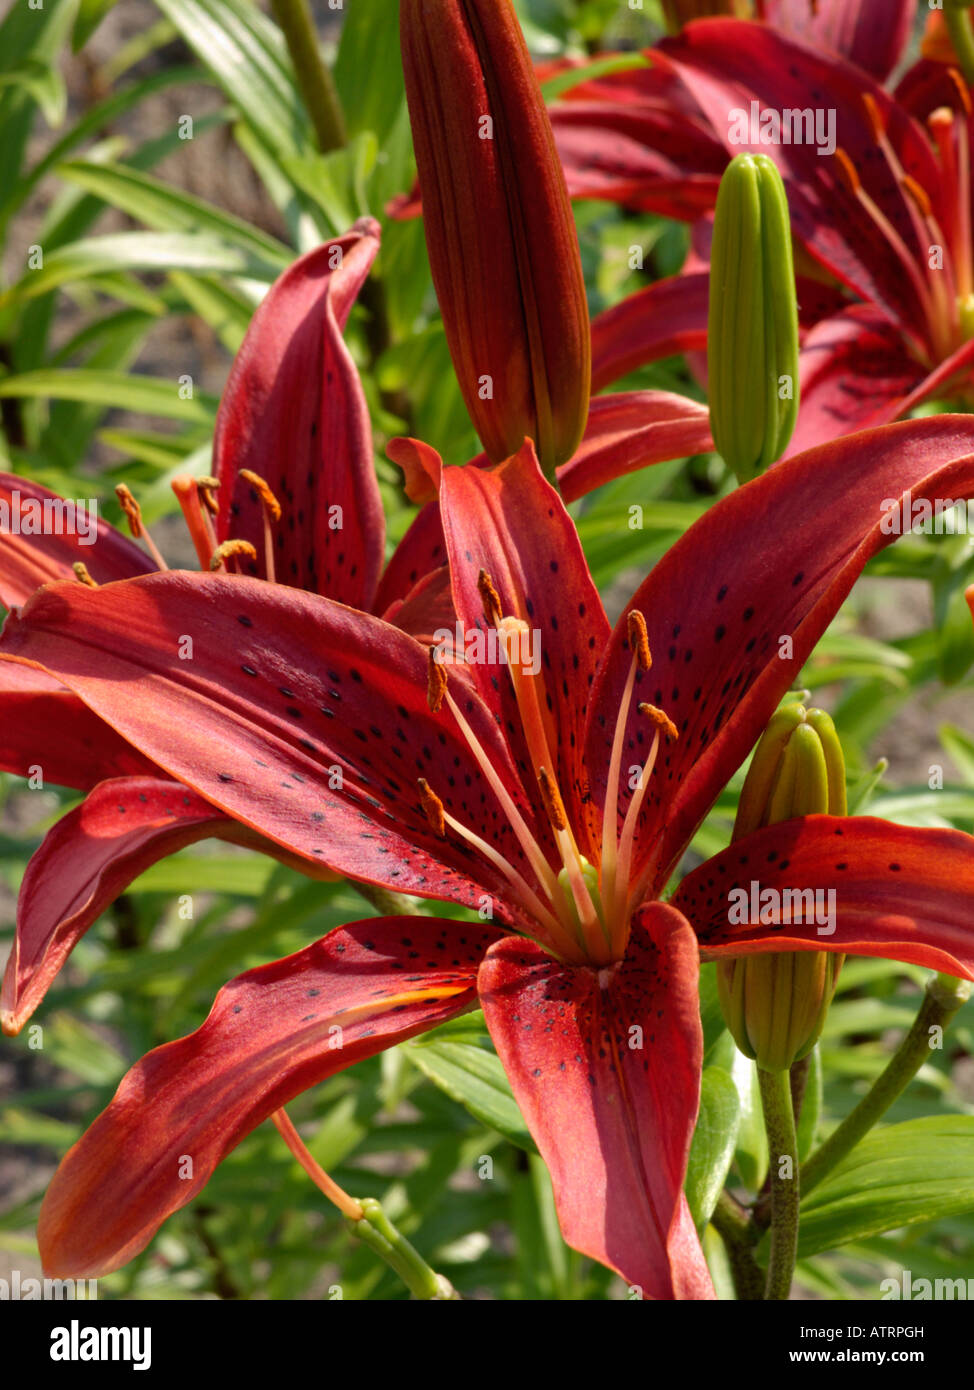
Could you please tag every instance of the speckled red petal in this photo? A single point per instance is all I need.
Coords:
(297, 716)
(86, 750)
(33, 553)
(271, 1034)
(605, 1066)
(90, 856)
(774, 560)
(899, 892)
(294, 412)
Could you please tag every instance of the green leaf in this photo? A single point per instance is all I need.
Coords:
(600, 67)
(168, 209)
(44, 83)
(751, 1153)
(370, 44)
(90, 15)
(921, 1170)
(472, 1074)
(960, 746)
(247, 55)
(714, 1142)
(137, 251)
(144, 394)
(955, 632)
(811, 1110)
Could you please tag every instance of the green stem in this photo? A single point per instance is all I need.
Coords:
(377, 1232)
(732, 1224)
(779, 1121)
(389, 904)
(314, 79)
(944, 996)
(958, 23)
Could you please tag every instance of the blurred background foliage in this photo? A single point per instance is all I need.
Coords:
(161, 157)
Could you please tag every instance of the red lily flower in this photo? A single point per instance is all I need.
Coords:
(552, 794)
(313, 449)
(870, 214)
(870, 33)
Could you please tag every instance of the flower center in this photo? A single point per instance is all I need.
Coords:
(943, 275)
(580, 912)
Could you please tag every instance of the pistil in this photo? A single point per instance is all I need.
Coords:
(189, 495)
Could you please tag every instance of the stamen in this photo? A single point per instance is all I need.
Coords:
(207, 488)
(435, 682)
(229, 550)
(951, 133)
(639, 639)
(432, 809)
(553, 803)
(554, 933)
(490, 597)
(660, 720)
(263, 491)
(875, 121)
(849, 177)
(848, 173)
(82, 575)
(960, 86)
(190, 495)
(919, 195)
(137, 526)
(272, 513)
(610, 811)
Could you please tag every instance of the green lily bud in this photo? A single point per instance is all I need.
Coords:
(752, 334)
(775, 1005)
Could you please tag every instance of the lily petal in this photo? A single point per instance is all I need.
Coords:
(294, 412)
(605, 1065)
(855, 372)
(297, 716)
(34, 551)
(774, 560)
(631, 430)
(871, 33)
(270, 1035)
(512, 523)
(667, 317)
(900, 892)
(86, 749)
(91, 855)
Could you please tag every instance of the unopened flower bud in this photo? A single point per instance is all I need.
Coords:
(752, 334)
(499, 227)
(775, 1005)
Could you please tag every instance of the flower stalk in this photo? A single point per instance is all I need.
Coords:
(779, 1120)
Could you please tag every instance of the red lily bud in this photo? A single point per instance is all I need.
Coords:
(499, 226)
